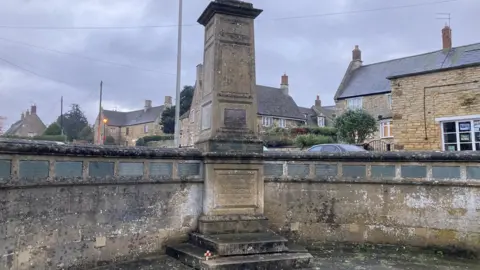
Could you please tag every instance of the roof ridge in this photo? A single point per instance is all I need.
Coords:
(134, 110)
(416, 55)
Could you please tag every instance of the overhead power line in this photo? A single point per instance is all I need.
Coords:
(83, 56)
(195, 24)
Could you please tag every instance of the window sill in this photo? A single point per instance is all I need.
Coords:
(389, 137)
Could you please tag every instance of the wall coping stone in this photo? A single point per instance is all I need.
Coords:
(53, 149)
(394, 156)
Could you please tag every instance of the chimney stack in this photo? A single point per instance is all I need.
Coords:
(33, 109)
(318, 102)
(27, 113)
(168, 101)
(148, 104)
(22, 116)
(284, 84)
(356, 54)
(447, 37)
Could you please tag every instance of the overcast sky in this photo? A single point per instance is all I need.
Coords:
(140, 63)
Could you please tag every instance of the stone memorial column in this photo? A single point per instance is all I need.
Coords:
(233, 197)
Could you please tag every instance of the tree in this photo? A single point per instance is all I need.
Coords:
(86, 133)
(354, 126)
(53, 129)
(73, 122)
(168, 120)
(168, 115)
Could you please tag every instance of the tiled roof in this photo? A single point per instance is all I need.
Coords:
(272, 102)
(13, 128)
(372, 79)
(138, 117)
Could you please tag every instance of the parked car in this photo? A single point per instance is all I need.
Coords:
(332, 148)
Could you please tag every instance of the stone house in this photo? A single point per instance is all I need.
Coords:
(127, 127)
(437, 107)
(29, 125)
(318, 115)
(368, 87)
(275, 108)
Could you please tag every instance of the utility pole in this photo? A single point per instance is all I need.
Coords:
(100, 112)
(179, 71)
(61, 115)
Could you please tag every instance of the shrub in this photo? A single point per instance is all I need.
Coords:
(304, 141)
(277, 141)
(155, 138)
(52, 138)
(140, 142)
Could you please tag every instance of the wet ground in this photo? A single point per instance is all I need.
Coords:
(339, 260)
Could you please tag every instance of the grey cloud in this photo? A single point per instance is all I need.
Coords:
(313, 51)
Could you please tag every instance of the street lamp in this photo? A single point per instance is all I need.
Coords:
(105, 121)
(179, 71)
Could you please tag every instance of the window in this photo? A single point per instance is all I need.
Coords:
(330, 149)
(386, 129)
(354, 103)
(267, 121)
(145, 129)
(462, 135)
(112, 130)
(321, 121)
(32, 134)
(127, 130)
(282, 123)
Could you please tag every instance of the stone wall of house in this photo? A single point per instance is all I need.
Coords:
(410, 200)
(418, 100)
(73, 207)
(289, 123)
(376, 105)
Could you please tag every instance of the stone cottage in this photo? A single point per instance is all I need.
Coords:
(29, 125)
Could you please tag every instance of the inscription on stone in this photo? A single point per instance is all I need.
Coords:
(68, 169)
(298, 170)
(32, 169)
(100, 169)
(5, 169)
(188, 169)
(446, 172)
(235, 118)
(130, 169)
(236, 70)
(235, 188)
(326, 169)
(383, 171)
(161, 169)
(206, 116)
(354, 171)
(413, 171)
(473, 172)
(273, 170)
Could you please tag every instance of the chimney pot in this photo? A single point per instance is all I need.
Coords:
(284, 84)
(447, 37)
(318, 102)
(356, 54)
(33, 109)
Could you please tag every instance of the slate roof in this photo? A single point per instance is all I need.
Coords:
(30, 123)
(132, 118)
(372, 79)
(272, 102)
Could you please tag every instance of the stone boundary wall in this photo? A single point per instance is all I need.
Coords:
(429, 199)
(82, 206)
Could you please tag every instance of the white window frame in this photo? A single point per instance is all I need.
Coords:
(145, 128)
(320, 121)
(382, 125)
(355, 103)
(282, 122)
(473, 119)
(267, 121)
(389, 100)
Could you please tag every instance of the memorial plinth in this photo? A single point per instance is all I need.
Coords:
(232, 226)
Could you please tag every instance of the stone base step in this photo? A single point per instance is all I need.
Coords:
(259, 261)
(240, 243)
(188, 254)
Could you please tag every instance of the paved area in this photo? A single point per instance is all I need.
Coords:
(369, 260)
